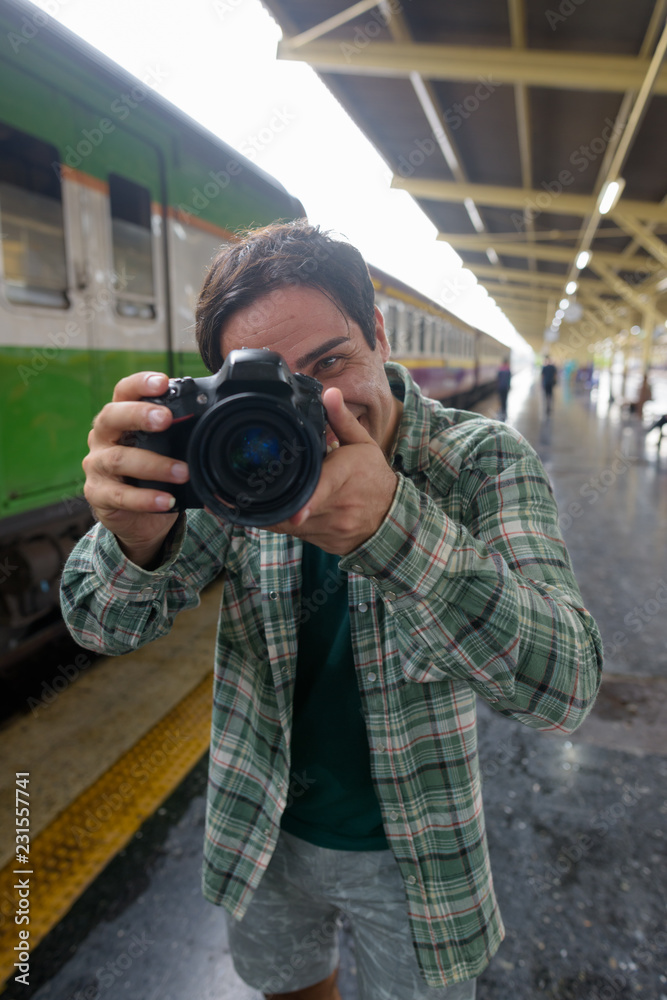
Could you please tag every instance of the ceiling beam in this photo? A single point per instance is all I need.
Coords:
(528, 277)
(642, 235)
(296, 41)
(507, 197)
(477, 64)
(628, 120)
(635, 298)
(519, 36)
(562, 255)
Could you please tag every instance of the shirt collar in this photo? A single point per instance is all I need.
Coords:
(411, 449)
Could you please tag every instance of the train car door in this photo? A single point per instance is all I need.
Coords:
(46, 400)
(121, 269)
(82, 294)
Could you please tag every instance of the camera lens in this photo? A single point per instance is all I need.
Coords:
(254, 460)
(252, 449)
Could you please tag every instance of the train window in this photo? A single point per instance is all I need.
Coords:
(421, 328)
(409, 328)
(440, 346)
(31, 218)
(131, 234)
(390, 323)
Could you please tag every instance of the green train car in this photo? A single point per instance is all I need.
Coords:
(112, 203)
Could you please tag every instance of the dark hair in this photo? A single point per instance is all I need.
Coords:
(262, 260)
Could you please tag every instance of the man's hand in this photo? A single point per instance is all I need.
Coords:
(355, 490)
(130, 512)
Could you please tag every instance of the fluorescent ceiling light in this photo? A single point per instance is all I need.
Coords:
(583, 259)
(571, 287)
(564, 303)
(611, 192)
(475, 217)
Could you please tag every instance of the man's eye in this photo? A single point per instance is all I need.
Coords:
(328, 364)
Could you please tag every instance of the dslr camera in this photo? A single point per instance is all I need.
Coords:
(254, 437)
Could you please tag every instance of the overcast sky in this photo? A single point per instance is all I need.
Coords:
(216, 59)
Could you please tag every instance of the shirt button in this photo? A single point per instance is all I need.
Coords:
(362, 607)
(380, 748)
(148, 592)
(372, 677)
(411, 879)
(390, 595)
(273, 595)
(357, 568)
(393, 816)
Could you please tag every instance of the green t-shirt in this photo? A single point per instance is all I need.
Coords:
(331, 802)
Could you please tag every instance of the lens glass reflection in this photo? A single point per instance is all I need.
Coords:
(252, 448)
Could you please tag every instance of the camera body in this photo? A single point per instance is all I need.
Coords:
(253, 435)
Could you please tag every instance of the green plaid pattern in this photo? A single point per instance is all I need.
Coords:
(466, 589)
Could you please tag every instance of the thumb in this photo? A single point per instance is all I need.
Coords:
(345, 426)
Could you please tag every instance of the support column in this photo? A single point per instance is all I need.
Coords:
(649, 326)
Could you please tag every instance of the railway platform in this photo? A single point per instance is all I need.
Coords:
(577, 825)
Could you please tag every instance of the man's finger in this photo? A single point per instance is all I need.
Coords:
(347, 428)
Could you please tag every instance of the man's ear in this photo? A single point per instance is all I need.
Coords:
(382, 343)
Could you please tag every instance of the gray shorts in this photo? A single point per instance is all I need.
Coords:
(288, 938)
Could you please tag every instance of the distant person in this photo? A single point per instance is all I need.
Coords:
(549, 378)
(504, 379)
(645, 395)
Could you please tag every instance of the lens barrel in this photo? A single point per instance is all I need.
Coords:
(253, 459)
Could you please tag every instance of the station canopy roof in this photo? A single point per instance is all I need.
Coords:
(508, 121)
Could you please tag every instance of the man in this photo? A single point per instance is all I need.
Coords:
(426, 568)
(549, 376)
(504, 380)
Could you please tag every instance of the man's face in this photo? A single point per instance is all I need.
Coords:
(316, 338)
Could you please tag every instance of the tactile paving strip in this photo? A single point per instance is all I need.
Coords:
(68, 855)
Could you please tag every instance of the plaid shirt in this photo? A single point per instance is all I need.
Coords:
(465, 589)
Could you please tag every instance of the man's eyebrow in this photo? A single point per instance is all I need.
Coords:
(313, 355)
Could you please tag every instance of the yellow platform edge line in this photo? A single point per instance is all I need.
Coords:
(70, 853)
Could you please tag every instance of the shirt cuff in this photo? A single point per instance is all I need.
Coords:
(122, 575)
(409, 552)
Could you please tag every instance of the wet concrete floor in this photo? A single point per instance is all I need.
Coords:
(577, 825)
